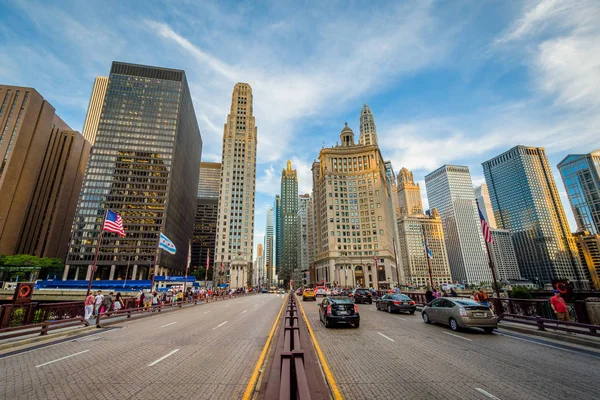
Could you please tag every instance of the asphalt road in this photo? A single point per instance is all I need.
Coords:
(395, 356)
(202, 352)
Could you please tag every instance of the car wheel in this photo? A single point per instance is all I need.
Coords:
(411, 312)
(453, 324)
(357, 324)
(488, 330)
(426, 318)
(389, 308)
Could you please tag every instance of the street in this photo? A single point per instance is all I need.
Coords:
(395, 356)
(204, 352)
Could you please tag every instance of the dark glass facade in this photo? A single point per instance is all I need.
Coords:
(205, 231)
(526, 202)
(581, 175)
(144, 165)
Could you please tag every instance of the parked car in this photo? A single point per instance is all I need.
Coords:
(396, 302)
(264, 290)
(339, 310)
(362, 296)
(460, 313)
(309, 294)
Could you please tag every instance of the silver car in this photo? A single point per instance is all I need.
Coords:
(460, 313)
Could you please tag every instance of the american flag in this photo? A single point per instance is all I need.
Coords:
(113, 223)
(487, 234)
(376, 262)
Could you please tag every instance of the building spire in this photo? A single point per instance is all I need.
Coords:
(368, 131)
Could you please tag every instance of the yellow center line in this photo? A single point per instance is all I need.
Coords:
(332, 384)
(254, 378)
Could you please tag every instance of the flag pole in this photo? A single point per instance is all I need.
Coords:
(187, 267)
(425, 246)
(155, 264)
(206, 270)
(96, 256)
(487, 247)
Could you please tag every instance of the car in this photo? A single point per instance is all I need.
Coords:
(264, 291)
(271, 290)
(396, 302)
(309, 294)
(339, 310)
(460, 313)
(299, 292)
(320, 290)
(281, 291)
(362, 296)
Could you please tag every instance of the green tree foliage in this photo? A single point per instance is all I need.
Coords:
(520, 292)
(24, 265)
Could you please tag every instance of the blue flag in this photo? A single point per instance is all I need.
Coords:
(166, 244)
(427, 249)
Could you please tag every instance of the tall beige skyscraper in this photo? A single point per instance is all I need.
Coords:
(235, 226)
(92, 119)
(409, 194)
(482, 197)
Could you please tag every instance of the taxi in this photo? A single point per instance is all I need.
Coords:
(309, 294)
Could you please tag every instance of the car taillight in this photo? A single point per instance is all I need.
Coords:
(397, 303)
(463, 312)
(328, 309)
(355, 309)
(412, 303)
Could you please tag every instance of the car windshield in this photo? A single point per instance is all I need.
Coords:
(308, 290)
(401, 297)
(362, 290)
(341, 300)
(467, 302)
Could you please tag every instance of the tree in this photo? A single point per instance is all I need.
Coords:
(26, 266)
(520, 292)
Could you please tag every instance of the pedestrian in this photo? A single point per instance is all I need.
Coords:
(142, 300)
(444, 293)
(559, 306)
(139, 299)
(108, 302)
(148, 299)
(429, 295)
(474, 296)
(98, 303)
(89, 307)
(453, 293)
(483, 297)
(119, 304)
(436, 294)
(155, 300)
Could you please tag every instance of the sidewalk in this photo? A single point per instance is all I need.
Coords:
(552, 335)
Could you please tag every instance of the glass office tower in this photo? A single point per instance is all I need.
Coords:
(526, 202)
(144, 165)
(581, 175)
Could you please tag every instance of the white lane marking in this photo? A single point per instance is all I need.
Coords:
(460, 337)
(255, 305)
(206, 312)
(400, 318)
(171, 323)
(163, 357)
(487, 394)
(62, 358)
(220, 325)
(534, 342)
(244, 311)
(388, 338)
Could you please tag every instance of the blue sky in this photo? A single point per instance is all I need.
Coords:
(448, 81)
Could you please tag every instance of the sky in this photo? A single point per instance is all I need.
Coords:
(449, 82)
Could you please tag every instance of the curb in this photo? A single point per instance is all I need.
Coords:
(571, 339)
(49, 337)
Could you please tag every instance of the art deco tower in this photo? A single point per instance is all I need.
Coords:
(368, 131)
(409, 194)
(235, 229)
(290, 269)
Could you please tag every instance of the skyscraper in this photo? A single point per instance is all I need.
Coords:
(503, 255)
(581, 176)
(92, 119)
(409, 194)
(449, 189)
(318, 214)
(526, 202)
(368, 131)
(588, 246)
(235, 226)
(482, 197)
(258, 273)
(42, 164)
(310, 231)
(412, 225)
(207, 209)
(290, 229)
(269, 244)
(303, 204)
(144, 166)
(278, 246)
(389, 171)
(353, 210)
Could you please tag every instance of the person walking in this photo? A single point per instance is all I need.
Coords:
(118, 302)
(483, 297)
(139, 299)
(474, 296)
(453, 293)
(108, 302)
(559, 306)
(89, 307)
(429, 295)
(98, 303)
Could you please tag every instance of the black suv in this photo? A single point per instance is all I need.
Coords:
(362, 296)
(338, 310)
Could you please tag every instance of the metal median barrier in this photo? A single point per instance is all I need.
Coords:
(295, 372)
